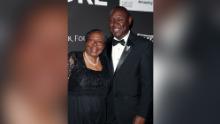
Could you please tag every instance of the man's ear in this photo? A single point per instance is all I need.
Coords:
(130, 19)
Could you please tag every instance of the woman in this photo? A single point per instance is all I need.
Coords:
(88, 82)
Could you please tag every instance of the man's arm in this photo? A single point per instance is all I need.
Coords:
(145, 106)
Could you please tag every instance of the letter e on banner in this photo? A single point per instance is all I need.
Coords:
(101, 3)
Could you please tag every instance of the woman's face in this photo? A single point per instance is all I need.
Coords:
(95, 44)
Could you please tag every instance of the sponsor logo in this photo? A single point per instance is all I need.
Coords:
(149, 37)
(138, 5)
(145, 2)
(90, 2)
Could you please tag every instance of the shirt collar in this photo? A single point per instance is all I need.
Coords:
(125, 38)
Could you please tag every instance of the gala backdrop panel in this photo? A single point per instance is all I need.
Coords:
(85, 15)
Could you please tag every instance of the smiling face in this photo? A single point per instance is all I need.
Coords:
(95, 44)
(119, 23)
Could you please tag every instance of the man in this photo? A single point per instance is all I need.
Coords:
(131, 64)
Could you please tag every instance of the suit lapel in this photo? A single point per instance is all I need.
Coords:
(126, 52)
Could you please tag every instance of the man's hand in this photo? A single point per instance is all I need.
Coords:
(139, 120)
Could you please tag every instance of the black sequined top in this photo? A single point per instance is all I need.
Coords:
(87, 92)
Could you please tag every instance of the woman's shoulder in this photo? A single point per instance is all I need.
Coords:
(74, 61)
(74, 58)
(74, 54)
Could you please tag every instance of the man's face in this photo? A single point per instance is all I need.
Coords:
(119, 23)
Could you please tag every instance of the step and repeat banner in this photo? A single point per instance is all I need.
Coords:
(85, 15)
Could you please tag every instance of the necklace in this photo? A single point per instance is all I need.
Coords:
(89, 61)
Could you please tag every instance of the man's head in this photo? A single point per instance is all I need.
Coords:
(119, 22)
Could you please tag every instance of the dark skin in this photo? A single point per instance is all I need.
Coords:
(119, 24)
(94, 47)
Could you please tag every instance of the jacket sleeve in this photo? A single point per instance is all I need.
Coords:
(145, 106)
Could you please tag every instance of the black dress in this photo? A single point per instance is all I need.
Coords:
(87, 91)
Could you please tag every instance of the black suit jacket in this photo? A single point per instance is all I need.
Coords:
(131, 93)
